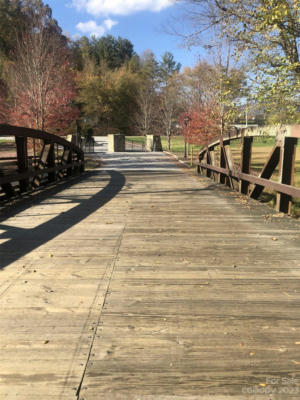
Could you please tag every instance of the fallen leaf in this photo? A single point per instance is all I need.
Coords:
(274, 238)
(280, 215)
(251, 354)
(262, 384)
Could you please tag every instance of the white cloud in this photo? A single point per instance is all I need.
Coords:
(93, 29)
(120, 7)
(109, 23)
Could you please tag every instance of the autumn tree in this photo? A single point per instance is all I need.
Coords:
(40, 77)
(200, 124)
(266, 33)
(211, 95)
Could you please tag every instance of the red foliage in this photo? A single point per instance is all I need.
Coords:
(200, 124)
(44, 95)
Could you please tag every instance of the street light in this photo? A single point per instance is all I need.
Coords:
(186, 120)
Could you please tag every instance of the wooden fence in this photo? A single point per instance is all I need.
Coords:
(36, 159)
(216, 161)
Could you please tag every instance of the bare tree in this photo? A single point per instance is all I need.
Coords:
(170, 103)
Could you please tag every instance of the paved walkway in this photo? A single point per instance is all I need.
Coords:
(142, 281)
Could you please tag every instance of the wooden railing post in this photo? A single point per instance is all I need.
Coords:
(245, 162)
(22, 156)
(222, 177)
(229, 164)
(213, 162)
(208, 161)
(286, 172)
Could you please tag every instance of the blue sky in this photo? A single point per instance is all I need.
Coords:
(143, 22)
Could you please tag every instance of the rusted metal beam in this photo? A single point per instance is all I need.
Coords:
(47, 165)
(51, 163)
(286, 173)
(42, 164)
(33, 173)
(6, 186)
(67, 159)
(22, 156)
(9, 130)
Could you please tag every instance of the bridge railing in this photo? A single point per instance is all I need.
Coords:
(36, 159)
(217, 162)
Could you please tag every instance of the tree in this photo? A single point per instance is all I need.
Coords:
(267, 34)
(170, 105)
(199, 84)
(200, 124)
(41, 80)
(167, 67)
(10, 20)
(3, 104)
(108, 97)
(114, 52)
(217, 85)
(147, 97)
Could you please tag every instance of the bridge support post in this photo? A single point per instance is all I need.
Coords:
(22, 155)
(286, 172)
(222, 177)
(51, 164)
(229, 164)
(213, 162)
(208, 161)
(245, 162)
(267, 171)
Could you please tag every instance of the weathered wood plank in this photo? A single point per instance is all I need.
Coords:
(173, 289)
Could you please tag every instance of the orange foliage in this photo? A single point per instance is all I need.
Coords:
(200, 124)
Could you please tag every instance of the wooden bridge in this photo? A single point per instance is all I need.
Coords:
(141, 280)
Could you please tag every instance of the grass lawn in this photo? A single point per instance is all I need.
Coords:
(5, 141)
(177, 144)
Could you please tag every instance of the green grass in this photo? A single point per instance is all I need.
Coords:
(136, 139)
(177, 144)
(5, 141)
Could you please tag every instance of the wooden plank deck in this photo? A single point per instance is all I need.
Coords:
(147, 282)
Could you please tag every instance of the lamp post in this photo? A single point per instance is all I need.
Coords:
(186, 120)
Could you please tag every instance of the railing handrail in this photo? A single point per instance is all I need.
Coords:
(10, 130)
(54, 158)
(227, 172)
